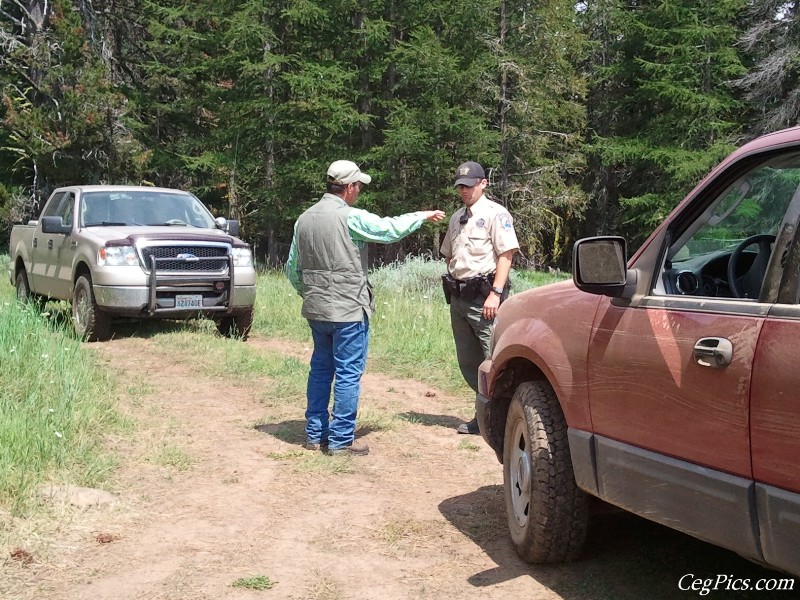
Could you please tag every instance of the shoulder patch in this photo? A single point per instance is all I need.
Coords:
(505, 221)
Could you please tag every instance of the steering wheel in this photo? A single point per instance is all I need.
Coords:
(749, 284)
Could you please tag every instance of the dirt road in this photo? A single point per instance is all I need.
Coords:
(215, 492)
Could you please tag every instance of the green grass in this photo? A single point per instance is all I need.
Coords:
(56, 405)
(258, 582)
(170, 455)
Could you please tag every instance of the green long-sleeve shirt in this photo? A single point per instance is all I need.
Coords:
(364, 227)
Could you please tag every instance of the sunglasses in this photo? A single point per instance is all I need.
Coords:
(465, 217)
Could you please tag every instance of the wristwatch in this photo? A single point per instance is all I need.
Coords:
(498, 290)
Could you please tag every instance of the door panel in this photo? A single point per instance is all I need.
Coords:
(646, 387)
(50, 248)
(775, 411)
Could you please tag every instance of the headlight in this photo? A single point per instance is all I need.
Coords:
(114, 256)
(242, 257)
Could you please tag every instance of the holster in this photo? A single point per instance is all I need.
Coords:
(470, 289)
(450, 287)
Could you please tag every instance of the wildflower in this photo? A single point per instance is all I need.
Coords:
(51, 410)
(12, 350)
(59, 435)
(44, 355)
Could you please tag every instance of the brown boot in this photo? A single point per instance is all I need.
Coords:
(357, 448)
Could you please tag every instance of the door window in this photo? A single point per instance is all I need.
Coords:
(67, 209)
(725, 253)
(52, 208)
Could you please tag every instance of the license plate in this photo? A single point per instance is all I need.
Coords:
(188, 301)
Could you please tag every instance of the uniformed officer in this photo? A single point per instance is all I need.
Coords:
(478, 247)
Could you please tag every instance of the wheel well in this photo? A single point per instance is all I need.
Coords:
(514, 372)
(19, 265)
(81, 269)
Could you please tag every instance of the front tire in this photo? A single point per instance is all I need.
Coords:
(547, 512)
(237, 325)
(88, 319)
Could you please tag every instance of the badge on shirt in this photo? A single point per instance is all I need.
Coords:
(480, 223)
(505, 222)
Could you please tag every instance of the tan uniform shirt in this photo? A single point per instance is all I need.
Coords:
(472, 249)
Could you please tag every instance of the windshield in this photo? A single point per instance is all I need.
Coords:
(145, 208)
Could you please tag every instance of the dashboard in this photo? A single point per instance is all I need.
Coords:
(705, 274)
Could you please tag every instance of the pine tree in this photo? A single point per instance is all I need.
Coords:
(670, 114)
(537, 100)
(64, 121)
(772, 86)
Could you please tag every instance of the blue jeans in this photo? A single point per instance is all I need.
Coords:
(339, 359)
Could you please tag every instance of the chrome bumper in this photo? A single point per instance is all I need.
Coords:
(136, 300)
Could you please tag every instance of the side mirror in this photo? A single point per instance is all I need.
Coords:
(229, 226)
(600, 266)
(55, 225)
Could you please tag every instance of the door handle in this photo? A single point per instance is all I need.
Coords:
(49, 244)
(713, 352)
(73, 244)
(35, 242)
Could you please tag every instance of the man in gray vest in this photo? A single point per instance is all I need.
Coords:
(328, 267)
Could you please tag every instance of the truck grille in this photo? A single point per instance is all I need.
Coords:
(209, 258)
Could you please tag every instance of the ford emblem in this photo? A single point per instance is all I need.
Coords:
(188, 257)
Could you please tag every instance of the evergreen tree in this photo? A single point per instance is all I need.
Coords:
(63, 121)
(536, 96)
(772, 86)
(669, 114)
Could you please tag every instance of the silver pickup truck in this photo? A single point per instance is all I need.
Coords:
(141, 252)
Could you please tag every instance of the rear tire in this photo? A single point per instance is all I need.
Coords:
(236, 325)
(23, 290)
(88, 319)
(547, 512)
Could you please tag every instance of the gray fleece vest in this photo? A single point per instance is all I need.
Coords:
(333, 268)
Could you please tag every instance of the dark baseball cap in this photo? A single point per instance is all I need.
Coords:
(469, 173)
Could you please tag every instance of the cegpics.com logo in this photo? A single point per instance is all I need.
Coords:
(728, 583)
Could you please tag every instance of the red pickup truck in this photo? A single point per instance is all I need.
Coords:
(667, 384)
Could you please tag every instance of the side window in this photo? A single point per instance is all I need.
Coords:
(726, 251)
(67, 208)
(51, 210)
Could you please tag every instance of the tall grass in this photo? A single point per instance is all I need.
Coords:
(55, 406)
(410, 333)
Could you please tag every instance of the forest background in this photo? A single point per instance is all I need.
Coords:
(592, 117)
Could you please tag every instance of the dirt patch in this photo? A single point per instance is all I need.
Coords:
(216, 496)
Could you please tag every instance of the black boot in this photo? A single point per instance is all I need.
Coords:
(470, 427)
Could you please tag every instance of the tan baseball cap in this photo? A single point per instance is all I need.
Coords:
(343, 172)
